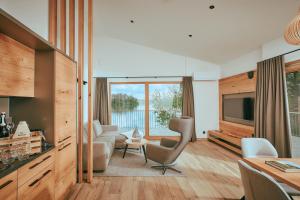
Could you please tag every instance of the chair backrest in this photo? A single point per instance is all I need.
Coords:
(183, 126)
(257, 147)
(260, 186)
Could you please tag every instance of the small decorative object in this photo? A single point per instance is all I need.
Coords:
(5, 128)
(292, 33)
(22, 130)
(22, 151)
(6, 157)
(136, 136)
(20, 147)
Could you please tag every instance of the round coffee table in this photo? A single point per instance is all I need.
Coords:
(136, 144)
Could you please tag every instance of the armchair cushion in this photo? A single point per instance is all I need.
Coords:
(168, 142)
(158, 153)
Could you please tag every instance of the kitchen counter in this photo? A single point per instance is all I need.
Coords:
(5, 170)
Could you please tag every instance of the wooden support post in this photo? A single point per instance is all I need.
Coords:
(63, 25)
(72, 28)
(52, 24)
(90, 100)
(80, 84)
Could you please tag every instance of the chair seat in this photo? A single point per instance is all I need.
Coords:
(291, 191)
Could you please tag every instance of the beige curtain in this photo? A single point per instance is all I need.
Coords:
(271, 109)
(101, 109)
(188, 101)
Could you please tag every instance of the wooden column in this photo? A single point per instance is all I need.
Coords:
(52, 25)
(72, 28)
(90, 99)
(63, 25)
(80, 84)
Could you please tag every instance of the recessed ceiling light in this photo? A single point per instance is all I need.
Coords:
(190, 35)
(132, 21)
(211, 7)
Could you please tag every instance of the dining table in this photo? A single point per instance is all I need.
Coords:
(292, 179)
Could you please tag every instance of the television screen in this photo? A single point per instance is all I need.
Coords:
(239, 108)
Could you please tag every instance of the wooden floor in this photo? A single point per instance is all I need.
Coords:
(211, 173)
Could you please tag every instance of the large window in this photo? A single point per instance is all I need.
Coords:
(293, 91)
(165, 102)
(147, 106)
(128, 106)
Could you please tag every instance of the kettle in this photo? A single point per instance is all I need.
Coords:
(5, 129)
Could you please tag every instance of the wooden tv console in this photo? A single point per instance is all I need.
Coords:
(227, 140)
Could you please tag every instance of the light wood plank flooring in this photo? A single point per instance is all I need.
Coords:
(211, 173)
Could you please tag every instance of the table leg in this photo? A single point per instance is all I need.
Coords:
(126, 147)
(144, 153)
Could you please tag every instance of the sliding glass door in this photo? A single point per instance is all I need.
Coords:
(128, 106)
(165, 102)
(293, 91)
(147, 106)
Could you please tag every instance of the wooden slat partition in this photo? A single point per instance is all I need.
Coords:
(90, 99)
(52, 37)
(63, 25)
(80, 81)
(72, 28)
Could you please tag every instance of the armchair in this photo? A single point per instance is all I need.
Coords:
(168, 151)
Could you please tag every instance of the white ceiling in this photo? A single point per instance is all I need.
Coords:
(233, 28)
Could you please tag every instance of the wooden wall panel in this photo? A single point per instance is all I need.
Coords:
(239, 84)
(80, 80)
(292, 66)
(232, 85)
(52, 26)
(63, 25)
(16, 68)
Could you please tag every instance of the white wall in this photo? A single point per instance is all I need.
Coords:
(242, 64)
(32, 13)
(206, 97)
(268, 50)
(113, 57)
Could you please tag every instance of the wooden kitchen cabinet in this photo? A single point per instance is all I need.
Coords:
(8, 186)
(41, 186)
(64, 185)
(65, 158)
(26, 172)
(16, 68)
(65, 98)
(31, 67)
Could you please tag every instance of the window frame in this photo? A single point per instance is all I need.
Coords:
(147, 124)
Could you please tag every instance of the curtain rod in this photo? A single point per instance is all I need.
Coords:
(141, 77)
(289, 52)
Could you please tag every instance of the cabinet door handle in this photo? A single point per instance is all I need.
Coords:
(64, 146)
(5, 184)
(37, 180)
(64, 139)
(36, 164)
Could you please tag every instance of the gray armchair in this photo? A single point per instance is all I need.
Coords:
(168, 151)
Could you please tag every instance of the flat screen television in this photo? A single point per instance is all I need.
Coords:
(239, 108)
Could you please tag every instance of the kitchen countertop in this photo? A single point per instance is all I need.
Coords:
(5, 170)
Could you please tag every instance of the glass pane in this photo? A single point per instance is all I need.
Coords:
(293, 90)
(128, 106)
(165, 102)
